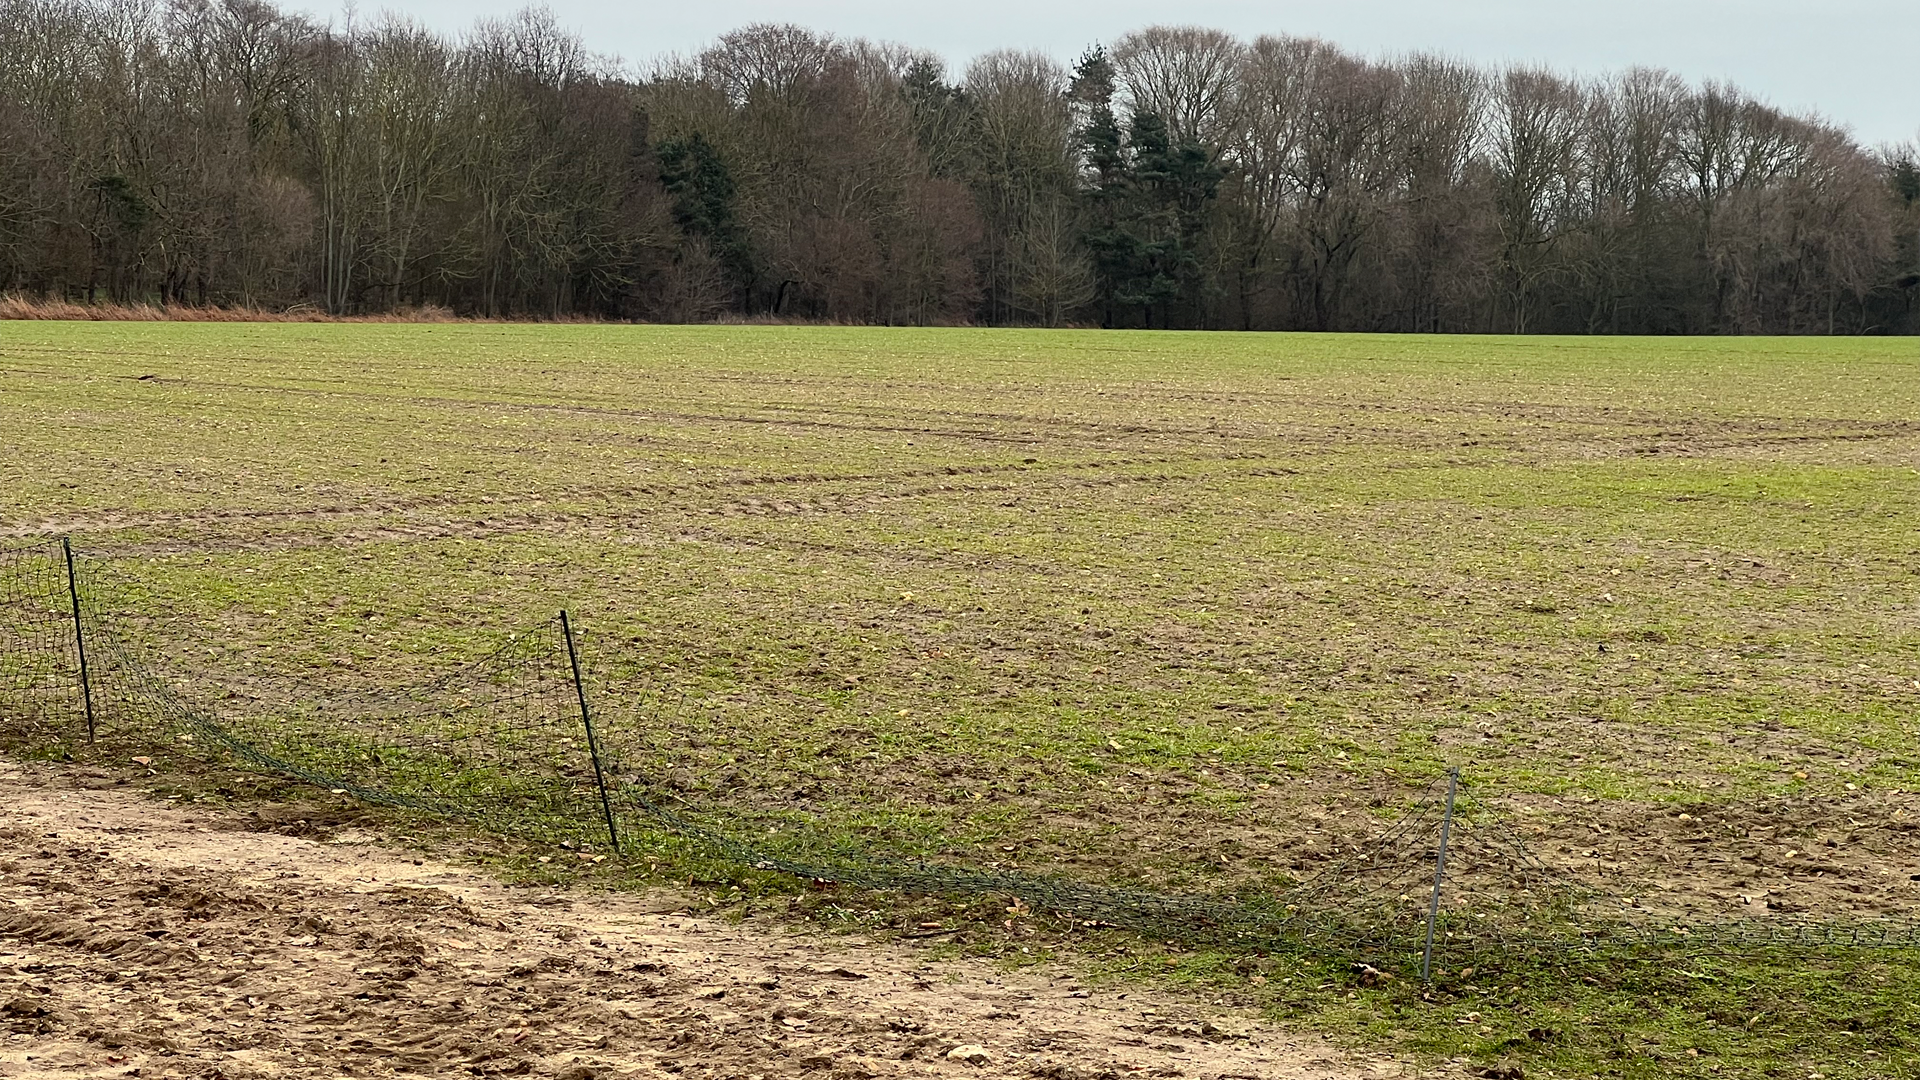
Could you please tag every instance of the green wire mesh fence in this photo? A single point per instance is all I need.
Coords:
(43, 698)
(509, 742)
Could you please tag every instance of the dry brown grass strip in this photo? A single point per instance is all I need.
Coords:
(43, 308)
(13, 306)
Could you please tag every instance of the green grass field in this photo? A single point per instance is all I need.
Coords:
(1185, 609)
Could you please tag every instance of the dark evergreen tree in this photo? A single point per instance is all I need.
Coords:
(704, 197)
(1150, 197)
(1175, 185)
(1109, 187)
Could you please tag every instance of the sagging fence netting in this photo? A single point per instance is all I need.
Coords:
(509, 742)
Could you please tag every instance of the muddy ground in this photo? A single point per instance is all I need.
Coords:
(146, 938)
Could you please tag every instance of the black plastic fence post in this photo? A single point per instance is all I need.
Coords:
(79, 634)
(1439, 875)
(593, 740)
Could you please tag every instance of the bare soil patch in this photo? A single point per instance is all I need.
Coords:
(152, 939)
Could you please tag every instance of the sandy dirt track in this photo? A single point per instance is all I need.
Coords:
(145, 938)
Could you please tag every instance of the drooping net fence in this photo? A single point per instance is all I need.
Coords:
(509, 742)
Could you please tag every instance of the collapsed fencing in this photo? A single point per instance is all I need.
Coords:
(510, 742)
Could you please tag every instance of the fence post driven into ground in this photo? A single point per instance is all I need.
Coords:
(1439, 875)
(593, 740)
(79, 633)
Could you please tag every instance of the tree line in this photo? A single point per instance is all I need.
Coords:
(226, 152)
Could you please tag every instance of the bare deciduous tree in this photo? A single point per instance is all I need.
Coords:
(1186, 75)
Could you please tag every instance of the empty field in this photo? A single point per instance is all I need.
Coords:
(1186, 609)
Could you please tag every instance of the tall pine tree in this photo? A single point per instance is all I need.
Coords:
(1148, 197)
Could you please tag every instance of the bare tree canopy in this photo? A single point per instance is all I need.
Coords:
(227, 152)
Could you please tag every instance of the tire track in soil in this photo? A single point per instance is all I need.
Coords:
(271, 529)
(152, 939)
(369, 504)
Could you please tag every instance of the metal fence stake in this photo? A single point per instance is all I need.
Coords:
(79, 635)
(1439, 875)
(593, 740)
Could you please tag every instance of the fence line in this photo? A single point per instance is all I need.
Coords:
(509, 742)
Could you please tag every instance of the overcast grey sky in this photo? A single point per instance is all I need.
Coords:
(1854, 61)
